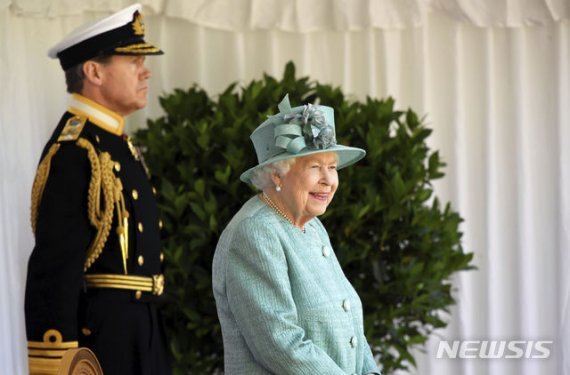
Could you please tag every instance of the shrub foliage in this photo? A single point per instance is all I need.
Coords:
(396, 242)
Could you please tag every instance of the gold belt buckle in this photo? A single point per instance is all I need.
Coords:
(157, 284)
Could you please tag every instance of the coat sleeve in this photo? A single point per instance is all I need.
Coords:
(369, 366)
(259, 294)
(55, 267)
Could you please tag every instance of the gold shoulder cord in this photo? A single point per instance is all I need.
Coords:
(40, 183)
(103, 182)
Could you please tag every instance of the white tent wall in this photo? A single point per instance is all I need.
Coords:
(493, 81)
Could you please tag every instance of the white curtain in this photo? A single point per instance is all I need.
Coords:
(492, 78)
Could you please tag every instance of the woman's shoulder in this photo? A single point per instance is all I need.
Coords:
(262, 223)
(251, 217)
(254, 210)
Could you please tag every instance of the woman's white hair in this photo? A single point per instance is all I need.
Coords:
(261, 177)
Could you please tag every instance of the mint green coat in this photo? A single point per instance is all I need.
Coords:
(284, 304)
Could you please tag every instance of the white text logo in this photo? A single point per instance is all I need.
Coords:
(488, 349)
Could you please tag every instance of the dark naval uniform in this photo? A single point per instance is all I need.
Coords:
(95, 274)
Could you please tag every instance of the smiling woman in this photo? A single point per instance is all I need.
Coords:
(307, 189)
(284, 304)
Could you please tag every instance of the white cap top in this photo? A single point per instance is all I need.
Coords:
(92, 29)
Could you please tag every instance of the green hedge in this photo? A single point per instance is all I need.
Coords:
(396, 242)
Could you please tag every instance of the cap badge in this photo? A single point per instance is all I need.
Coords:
(138, 25)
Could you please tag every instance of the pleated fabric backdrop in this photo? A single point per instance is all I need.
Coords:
(492, 79)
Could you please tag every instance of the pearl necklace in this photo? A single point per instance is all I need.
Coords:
(270, 203)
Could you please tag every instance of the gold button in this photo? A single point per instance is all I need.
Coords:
(140, 226)
(117, 166)
(154, 190)
(86, 331)
(161, 257)
(138, 294)
(140, 260)
(97, 139)
(135, 194)
(160, 224)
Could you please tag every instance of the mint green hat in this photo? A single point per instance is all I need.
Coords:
(299, 131)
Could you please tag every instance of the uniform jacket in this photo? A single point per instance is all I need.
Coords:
(284, 304)
(65, 232)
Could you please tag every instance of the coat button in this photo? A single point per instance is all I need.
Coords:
(140, 227)
(326, 251)
(138, 294)
(346, 305)
(160, 224)
(140, 260)
(353, 342)
(161, 257)
(97, 139)
(154, 190)
(117, 166)
(86, 331)
(135, 194)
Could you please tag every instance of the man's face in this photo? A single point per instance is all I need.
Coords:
(124, 84)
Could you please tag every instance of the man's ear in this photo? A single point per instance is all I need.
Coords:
(93, 72)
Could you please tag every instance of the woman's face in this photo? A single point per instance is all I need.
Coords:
(309, 186)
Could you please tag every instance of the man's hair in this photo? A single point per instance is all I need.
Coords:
(74, 76)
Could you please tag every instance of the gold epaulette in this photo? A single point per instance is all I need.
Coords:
(72, 129)
(44, 357)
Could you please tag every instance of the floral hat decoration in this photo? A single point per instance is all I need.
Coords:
(299, 131)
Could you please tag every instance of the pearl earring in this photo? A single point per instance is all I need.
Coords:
(277, 188)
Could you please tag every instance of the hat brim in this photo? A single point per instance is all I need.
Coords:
(134, 49)
(346, 157)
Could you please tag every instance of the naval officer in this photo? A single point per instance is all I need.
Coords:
(95, 274)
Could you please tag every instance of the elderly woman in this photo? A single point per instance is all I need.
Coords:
(284, 304)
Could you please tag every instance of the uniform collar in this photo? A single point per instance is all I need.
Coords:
(97, 114)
